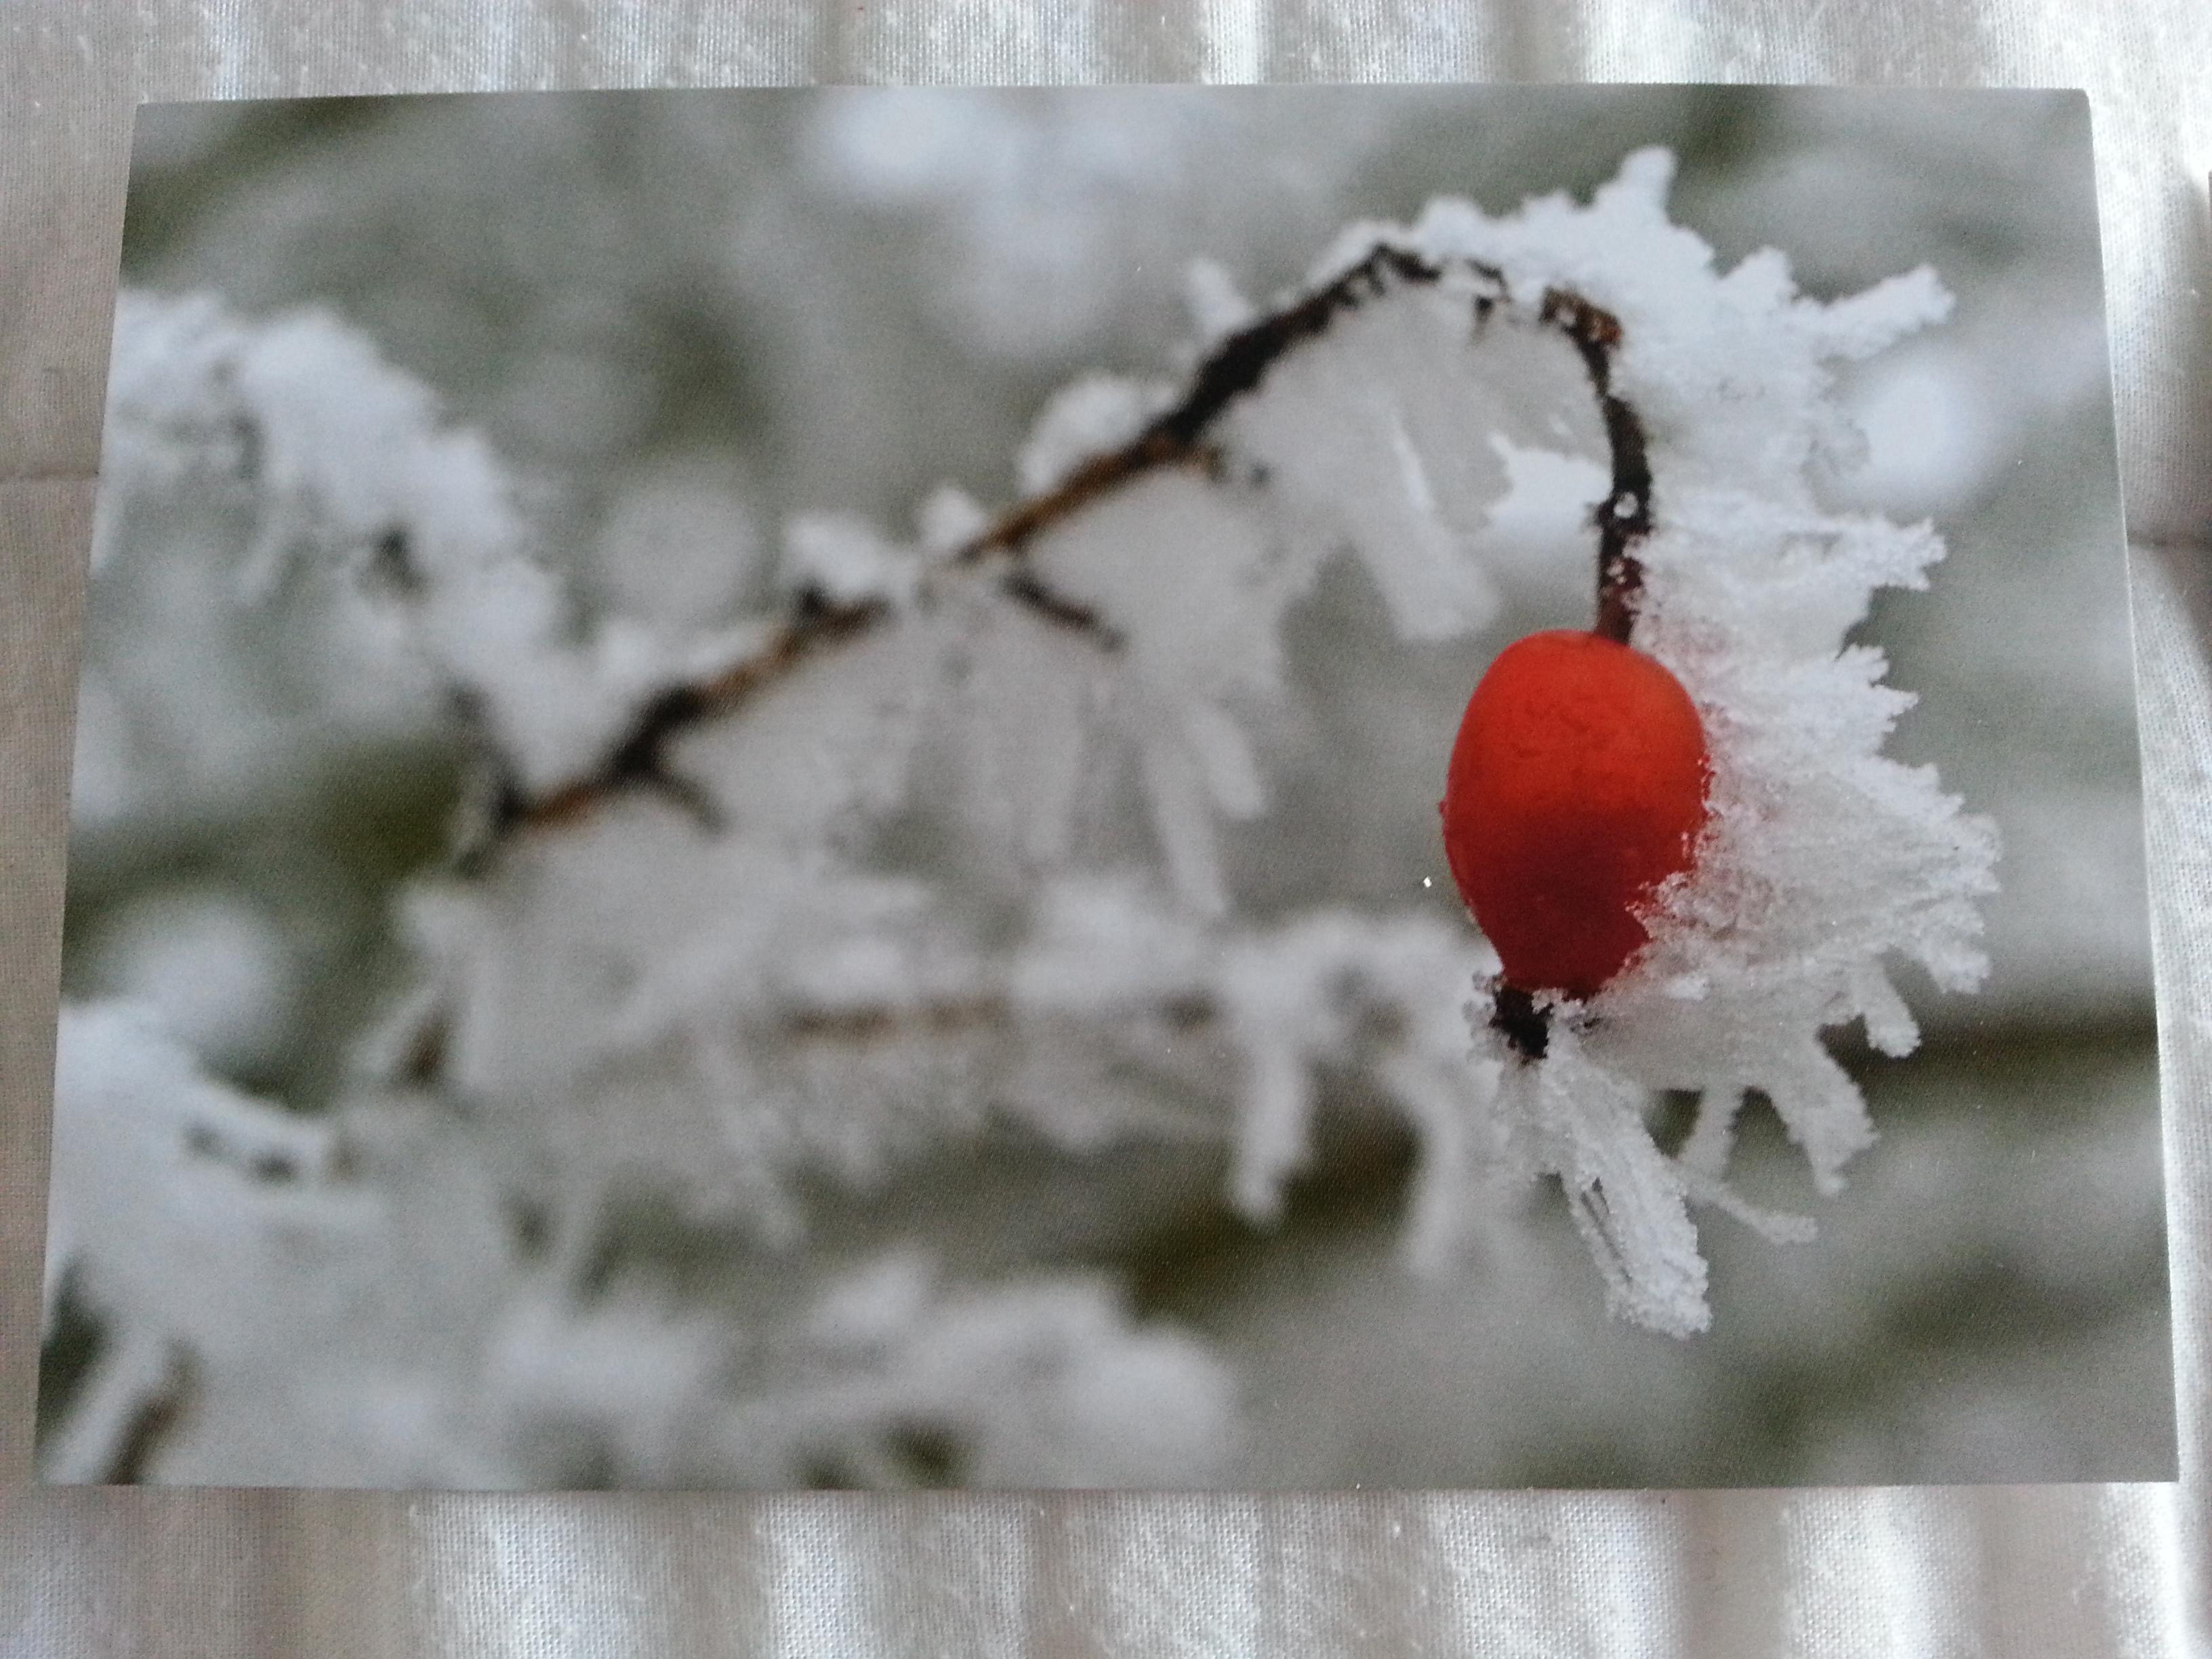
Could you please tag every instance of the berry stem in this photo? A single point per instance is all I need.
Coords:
(1527, 1028)
(1624, 517)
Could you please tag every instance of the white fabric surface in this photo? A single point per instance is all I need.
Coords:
(2051, 1572)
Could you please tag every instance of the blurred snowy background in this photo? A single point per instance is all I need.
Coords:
(681, 318)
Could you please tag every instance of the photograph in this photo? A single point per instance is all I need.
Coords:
(1147, 787)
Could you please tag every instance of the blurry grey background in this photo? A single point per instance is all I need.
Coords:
(684, 316)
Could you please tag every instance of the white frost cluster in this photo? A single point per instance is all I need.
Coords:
(976, 865)
(283, 479)
(155, 1162)
(357, 1314)
(1823, 860)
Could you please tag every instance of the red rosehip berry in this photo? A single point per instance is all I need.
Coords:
(1576, 786)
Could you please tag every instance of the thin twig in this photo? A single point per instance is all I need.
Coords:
(1514, 1015)
(150, 1424)
(1624, 517)
(1179, 1011)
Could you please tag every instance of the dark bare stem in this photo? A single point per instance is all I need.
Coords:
(1023, 586)
(1624, 517)
(151, 1424)
(853, 1026)
(1526, 1027)
(1176, 438)
(1180, 1013)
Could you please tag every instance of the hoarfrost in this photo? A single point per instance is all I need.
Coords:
(950, 842)
(287, 454)
(355, 1316)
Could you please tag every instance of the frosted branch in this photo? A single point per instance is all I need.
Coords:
(1176, 438)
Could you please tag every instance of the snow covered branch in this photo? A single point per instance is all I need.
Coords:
(1176, 437)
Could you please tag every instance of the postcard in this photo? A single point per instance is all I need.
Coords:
(1147, 787)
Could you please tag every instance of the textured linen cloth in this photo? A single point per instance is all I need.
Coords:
(2050, 1571)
